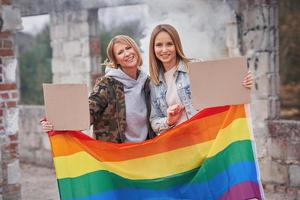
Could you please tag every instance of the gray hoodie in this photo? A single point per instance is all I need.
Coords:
(135, 104)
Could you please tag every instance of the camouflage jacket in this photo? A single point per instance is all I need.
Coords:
(107, 110)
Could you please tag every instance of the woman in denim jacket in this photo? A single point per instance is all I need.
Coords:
(171, 101)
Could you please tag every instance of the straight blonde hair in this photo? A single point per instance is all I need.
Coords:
(154, 63)
(112, 61)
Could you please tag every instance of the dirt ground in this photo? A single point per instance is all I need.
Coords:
(38, 183)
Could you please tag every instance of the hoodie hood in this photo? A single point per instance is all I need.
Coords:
(126, 80)
(135, 105)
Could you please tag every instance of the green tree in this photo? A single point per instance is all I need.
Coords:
(289, 54)
(35, 69)
(289, 41)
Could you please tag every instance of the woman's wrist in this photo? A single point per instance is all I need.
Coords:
(169, 123)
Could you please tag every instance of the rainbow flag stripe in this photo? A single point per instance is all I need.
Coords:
(209, 156)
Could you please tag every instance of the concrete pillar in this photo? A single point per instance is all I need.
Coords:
(75, 45)
(10, 188)
(233, 39)
(259, 43)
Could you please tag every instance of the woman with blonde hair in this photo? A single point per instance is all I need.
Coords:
(120, 101)
(170, 89)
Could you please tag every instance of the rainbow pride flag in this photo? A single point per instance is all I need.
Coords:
(207, 157)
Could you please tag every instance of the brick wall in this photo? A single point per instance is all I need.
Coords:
(9, 154)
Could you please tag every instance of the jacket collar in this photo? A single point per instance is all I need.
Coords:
(181, 67)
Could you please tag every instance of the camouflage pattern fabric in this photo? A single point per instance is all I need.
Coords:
(107, 110)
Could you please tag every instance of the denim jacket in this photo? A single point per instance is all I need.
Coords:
(158, 98)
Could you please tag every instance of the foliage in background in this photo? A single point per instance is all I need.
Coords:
(35, 62)
(289, 38)
(289, 58)
(35, 69)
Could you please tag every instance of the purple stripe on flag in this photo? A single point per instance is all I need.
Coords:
(244, 190)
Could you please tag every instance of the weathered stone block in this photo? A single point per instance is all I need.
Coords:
(291, 193)
(57, 50)
(72, 49)
(259, 112)
(26, 155)
(78, 31)
(272, 171)
(274, 65)
(272, 44)
(82, 65)
(29, 119)
(274, 196)
(256, 40)
(260, 130)
(294, 175)
(45, 142)
(262, 86)
(76, 16)
(273, 15)
(9, 70)
(43, 158)
(277, 148)
(12, 18)
(56, 18)
(72, 78)
(282, 128)
(59, 32)
(260, 63)
(85, 50)
(56, 78)
(11, 121)
(261, 149)
(256, 16)
(60, 66)
(9, 152)
(12, 192)
(232, 35)
(274, 107)
(13, 172)
(274, 84)
(34, 141)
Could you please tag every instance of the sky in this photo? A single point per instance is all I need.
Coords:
(34, 24)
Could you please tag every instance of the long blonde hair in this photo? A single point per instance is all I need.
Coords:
(154, 64)
(112, 61)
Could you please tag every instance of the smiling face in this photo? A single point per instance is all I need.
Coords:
(125, 55)
(165, 50)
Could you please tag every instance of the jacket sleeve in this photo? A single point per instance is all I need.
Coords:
(157, 117)
(98, 99)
